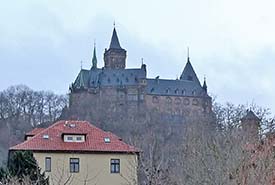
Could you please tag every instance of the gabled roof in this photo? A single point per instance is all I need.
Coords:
(250, 115)
(189, 73)
(94, 140)
(114, 41)
(108, 77)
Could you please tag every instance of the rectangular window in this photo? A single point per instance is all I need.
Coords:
(48, 164)
(115, 165)
(69, 138)
(74, 165)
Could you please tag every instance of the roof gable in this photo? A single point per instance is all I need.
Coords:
(189, 73)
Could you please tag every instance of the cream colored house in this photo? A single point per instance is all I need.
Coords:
(76, 153)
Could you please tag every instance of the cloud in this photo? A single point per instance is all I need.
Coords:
(231, 42)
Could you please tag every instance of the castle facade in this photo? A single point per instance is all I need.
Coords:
(115, 90)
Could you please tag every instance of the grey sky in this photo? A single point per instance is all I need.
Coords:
(231, 42)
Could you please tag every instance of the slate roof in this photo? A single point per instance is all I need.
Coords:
(189, 73)
(114, 41)
(108, 77)
(94, 140)
(174, 87)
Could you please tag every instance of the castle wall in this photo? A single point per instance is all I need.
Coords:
(178, 105)
(108, 102)
(118, 103)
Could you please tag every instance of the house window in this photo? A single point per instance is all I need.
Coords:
(79, 138)
(47, 164)
(69, 138)
(74, 165)
(115, 165)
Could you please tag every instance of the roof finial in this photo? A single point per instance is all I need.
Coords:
(114, 24)
(141, 61)
(188, 57)
(81, 63)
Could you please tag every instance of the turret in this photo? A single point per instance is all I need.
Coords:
(94, 59)
(250, 124)
(115, 56)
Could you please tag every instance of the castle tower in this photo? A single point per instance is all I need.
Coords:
(115, 56)
(250, 124)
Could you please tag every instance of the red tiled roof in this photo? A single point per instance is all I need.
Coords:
(94, 139)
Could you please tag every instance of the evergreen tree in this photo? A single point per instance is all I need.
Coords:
(22, 164)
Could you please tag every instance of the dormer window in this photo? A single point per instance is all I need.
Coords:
(74, 138)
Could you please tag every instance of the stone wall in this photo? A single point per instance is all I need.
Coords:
(131, 103)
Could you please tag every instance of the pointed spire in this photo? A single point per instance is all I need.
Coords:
(204, 85)
(188, 72)
(188, 57)
(94, 59)
(114, 40)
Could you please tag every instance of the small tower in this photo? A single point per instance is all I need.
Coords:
(250, 124)
(115, 56)
(94, 59)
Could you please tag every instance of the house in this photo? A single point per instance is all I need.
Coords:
(76, 152)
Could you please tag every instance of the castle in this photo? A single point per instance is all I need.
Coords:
(117, 91)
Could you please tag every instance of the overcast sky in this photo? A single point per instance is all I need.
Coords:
(232, 42)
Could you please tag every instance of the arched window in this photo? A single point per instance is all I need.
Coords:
(195, 102)
(169, 100)
(186, 101)
(177, 101)
(155, 99)
(183, 92)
